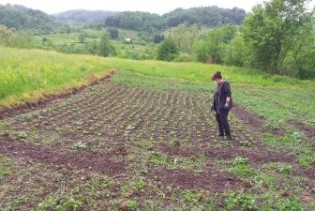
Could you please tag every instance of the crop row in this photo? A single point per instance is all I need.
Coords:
(109, 112)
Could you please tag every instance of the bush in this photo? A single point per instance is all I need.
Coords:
(158, 38)
(212, 47)
(113, 33)
(306, 63)
(82, 37)
(168, 50)
(236, 52)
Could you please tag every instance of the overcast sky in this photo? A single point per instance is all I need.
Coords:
(154, 6)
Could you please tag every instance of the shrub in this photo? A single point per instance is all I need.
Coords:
(168, 50)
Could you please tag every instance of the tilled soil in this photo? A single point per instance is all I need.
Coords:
(308, 130)
(212, 180)
(111, 130)
(61, 159)
(254, 155)
(249, 118)
(254, 122)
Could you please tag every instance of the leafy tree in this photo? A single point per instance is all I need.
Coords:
(270, 30)
(209, 50)
(304, 52)
(47, 43)
(12, 38)
(141, 21)
(185, 36)
(168, 50)
(6, 35)
(212, 47)
(105, 47)
(82, 36)
(227, 33)
(236, 52)
(158, 38)
(66, 29)
(93, 48)
(113, 33)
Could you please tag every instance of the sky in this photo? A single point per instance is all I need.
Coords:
(153, 6)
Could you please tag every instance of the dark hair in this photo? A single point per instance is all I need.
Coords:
(217, 75)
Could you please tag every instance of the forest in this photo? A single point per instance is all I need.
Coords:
(204, 16)
(22, 18)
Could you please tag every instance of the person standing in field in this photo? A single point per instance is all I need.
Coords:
(222, 103)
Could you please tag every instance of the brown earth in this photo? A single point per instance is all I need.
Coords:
(62, 159)
(308, 130)
(255, 156)
(111, 121)
(248, 118)
(211, 180)
(254, 121)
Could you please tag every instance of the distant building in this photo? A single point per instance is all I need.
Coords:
(128, 40)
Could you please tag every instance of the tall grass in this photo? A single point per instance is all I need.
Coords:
(30, 74)
(200, 73)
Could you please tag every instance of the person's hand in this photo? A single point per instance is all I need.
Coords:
(227, 106)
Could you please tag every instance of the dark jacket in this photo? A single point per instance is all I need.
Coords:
(222, 92)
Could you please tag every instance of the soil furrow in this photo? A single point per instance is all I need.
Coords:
(62, 159)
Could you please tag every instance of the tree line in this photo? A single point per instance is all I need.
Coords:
(201, 16)
(277, 37)
(22, 18)
(80, 18)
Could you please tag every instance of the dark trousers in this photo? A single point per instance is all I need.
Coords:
(223, 123)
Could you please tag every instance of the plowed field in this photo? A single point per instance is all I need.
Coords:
(112, 147)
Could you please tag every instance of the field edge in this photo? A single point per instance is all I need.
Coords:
(39, 98)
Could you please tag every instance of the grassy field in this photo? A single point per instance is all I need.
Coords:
(28, 71)
(28, 75)
(146, 140)
(69, 43)
(91, 35)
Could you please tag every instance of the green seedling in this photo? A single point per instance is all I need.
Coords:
(79, 146)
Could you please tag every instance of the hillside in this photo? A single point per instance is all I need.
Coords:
(201, 16)
(22, 18)
(204, 16)
(82, 17)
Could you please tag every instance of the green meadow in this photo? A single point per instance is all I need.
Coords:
(25, 72)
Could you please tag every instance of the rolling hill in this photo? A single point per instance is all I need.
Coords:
(22, 18)
(82, 17)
